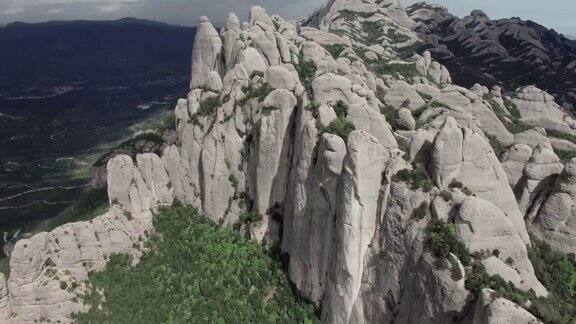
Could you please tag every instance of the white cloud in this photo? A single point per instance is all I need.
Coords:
(110, 7)
(12, 11)
(54, 11)
(17, 9)
(19, 6)
(22, 3)
(187, 12)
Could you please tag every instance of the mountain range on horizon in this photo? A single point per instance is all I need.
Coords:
(506, 52)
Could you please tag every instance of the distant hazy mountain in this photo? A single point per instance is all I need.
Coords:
(509, 52)
(47, 53)
(67, 87)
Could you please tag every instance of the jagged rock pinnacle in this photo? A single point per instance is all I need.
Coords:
(205, 53)
(350, 151)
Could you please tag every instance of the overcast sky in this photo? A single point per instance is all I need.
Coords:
(557, 14)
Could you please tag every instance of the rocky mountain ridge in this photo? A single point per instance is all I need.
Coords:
(390, 190)
(505, 52)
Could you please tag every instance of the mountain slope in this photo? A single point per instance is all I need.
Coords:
(505, 52)
(68, 87)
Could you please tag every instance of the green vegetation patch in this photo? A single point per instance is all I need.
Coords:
(421, 211)
(514, 125)
(437, 104)
(341, 109)
(373, 31)
(306, 72)
(561, 135)
(92, 203)
(407, 51)
(512, 108)
(391, 115)
(142, 143)
(5, 266)
(498, 147)
(416, 178)
(340, 126)
(459, 185)
(249, 218)
(407, 70)
(335, 50)
(196, 273)
(258, 92)
(558, 274)
(166, 122)
(349, 15)
(209, 106)
(396, 37)
(565, 155)
(443, 241)
(554, 270)
(418, 112)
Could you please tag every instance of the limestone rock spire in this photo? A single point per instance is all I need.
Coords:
(206, 53)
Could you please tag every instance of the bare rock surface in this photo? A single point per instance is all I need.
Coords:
(482, 226)
(556, 221)
(355, 224)
(332, 140)
(39, 265)
(496, 310)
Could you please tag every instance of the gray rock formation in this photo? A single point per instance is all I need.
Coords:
(556, 221)
(5, 306)
(286, 134)
(405, 119)
(464, 155)
(537, 107)
(356, 223)
(540, 171)
(482, 226)
(507, 52)
(39, 265)
(514, 161)
(206, 55)
(496, 310)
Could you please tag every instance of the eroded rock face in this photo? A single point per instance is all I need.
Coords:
(138, 188)
(447, 153)
(514, 161)
(312, 247)
(355, 223)
(39, 265)
(444, 286)
(290, 127)
(540, 172)
(273, 151)
(5, 306)
(492, 309)
(464, 155)
(405, 119)
(482, 226)
(539, 108)
(402, 95)
(490, 123)
(206, 53)
(556, 221)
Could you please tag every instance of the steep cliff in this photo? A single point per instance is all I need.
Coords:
(380, 179)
